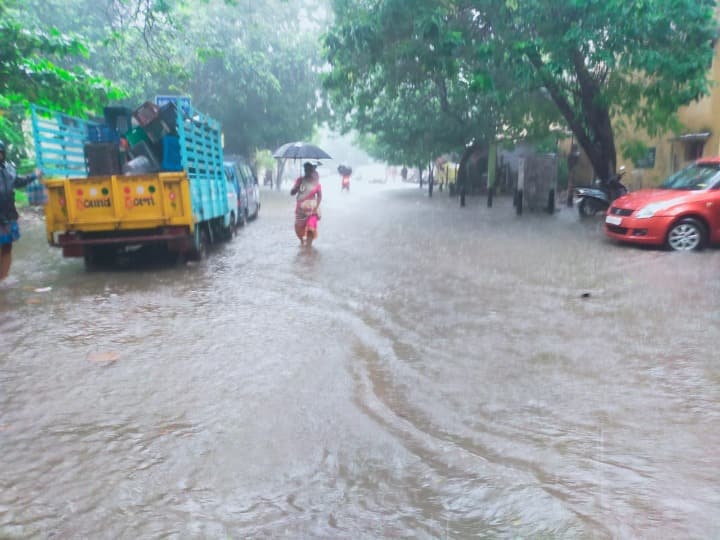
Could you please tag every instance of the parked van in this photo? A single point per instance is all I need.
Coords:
(248, 187)
(232, 173)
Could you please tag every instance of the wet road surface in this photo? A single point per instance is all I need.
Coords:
(424, 371)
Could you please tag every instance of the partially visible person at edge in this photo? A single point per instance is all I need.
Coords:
(9, 230)
(307, 208)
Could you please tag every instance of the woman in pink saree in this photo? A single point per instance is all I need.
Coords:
(307, 208)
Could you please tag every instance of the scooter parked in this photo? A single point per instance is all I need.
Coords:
(597, 199)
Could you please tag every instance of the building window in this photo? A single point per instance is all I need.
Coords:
(694, 150)
(647, 161)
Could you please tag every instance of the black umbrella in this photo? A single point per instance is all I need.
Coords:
(300, 150)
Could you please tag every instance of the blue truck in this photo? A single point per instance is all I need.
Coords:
(149, 177)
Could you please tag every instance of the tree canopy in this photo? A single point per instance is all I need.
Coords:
(418, 77)
(253, 67)
(45, 66)
(499, 68)
(403, 71)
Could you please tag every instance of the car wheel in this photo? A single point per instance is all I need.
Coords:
(686, 235)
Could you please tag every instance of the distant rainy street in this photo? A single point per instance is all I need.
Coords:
(421, 371)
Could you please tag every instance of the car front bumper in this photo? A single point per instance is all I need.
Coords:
(651, 231)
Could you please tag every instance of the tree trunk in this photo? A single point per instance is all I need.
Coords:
(431, 180)
(280, 169)
(463, 175)
(491, 173)
(591, 124)
(600, 148)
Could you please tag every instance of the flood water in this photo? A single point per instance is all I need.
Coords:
(424, 371)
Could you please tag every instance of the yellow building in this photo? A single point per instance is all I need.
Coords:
(666, 154)
(700, 137)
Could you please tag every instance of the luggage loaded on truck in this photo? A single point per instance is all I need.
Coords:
(149, 177)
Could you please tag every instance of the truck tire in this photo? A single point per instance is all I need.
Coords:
(98, 256)
(231, 229)
(89, 258)
(200, 242)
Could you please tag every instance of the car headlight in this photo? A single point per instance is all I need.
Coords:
(647, 211)
(651, 209)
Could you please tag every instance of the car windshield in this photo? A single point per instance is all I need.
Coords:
(693, 178)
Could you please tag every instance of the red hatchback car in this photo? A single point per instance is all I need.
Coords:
(683, 213)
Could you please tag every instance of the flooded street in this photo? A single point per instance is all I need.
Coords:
(424, 371)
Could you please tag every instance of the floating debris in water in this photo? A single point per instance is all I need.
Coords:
(103, 356)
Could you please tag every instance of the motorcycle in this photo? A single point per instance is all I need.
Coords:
(593, 200)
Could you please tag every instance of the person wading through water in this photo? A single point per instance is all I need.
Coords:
(308, 190)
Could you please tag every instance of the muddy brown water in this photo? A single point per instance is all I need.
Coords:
(424, 371)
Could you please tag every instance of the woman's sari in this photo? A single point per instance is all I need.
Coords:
(307, 211)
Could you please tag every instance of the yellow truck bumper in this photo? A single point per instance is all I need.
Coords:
(124, 204)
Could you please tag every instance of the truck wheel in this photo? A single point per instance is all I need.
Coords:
(97, 256)
(89, 258)
(231, 229)
(200, 241)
